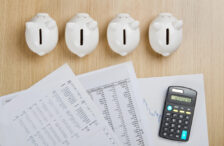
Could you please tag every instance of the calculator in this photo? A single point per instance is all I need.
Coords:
(178, 113)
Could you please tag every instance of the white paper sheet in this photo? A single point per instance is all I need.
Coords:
(154, 92)
(7, 98)
(57, 112)
(115, 91)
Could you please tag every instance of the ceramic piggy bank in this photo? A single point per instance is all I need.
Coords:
(165, 34)
(123, 34)
(41, 34)
(81, 34)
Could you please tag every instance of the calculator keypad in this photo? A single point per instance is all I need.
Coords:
(176, 122)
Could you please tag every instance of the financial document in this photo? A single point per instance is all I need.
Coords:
(115, 91)
(54, 113)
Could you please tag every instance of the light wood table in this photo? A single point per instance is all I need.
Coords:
(202, 49)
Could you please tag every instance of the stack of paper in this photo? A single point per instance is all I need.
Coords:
(56, 111)
(100, 108)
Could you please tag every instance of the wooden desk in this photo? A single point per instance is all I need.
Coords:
(202, 49)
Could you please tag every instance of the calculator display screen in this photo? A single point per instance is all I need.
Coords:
(179, 98)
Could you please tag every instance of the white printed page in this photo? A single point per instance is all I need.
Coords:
(114, 91)
(56, 113)
(154, 92)
(7, 98)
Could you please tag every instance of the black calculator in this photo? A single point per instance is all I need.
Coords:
(178, 113)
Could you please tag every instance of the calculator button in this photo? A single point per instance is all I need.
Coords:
(165, 129)
(171, 135)
(188, 113)
(181, 116)
(167, 119)
(169, 108)
(175, 110)
(186, 122)
(181, 111)
(184, 135)
(178, 131)
(166, 124)
(172, 125)
(168, 114)
(187, 117)
(179, 121)
(172, 130)
(174, 120)
(164, 134)
(178, 126)
(185, 127)
(176, 106)
(174, 115)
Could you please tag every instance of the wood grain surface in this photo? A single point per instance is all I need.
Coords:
(202, 49)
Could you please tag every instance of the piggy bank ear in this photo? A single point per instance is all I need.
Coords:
(113, 25)
(157, 25)
(30, 25)
(178, 24)
(92, 25)
(134, 24)
(50, 24)
(70, 25)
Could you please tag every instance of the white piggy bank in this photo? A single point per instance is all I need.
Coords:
(123, 34)
(81, 34)
(165, 34)
(41, 34)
